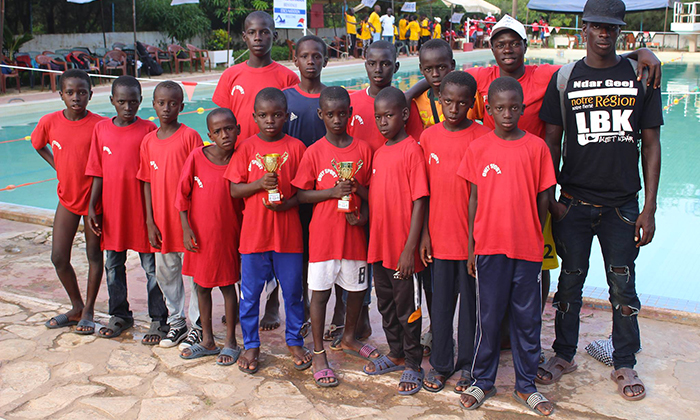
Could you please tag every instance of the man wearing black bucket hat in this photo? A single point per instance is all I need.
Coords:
(607, 115)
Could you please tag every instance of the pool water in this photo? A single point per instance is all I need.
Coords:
(666, 271)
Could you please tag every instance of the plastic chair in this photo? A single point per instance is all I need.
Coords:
(45, 62)
(25, 60)
(199, 55)
(93, 63)
(118, 46)
(114, 60)
(180, 55)
(13, 73)
(160, 56)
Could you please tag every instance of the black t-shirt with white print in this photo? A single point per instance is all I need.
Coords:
(606, 109)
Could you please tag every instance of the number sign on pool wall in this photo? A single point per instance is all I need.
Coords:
(290, 14)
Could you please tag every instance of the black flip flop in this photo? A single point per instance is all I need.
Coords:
(117, 325)
(61, 322)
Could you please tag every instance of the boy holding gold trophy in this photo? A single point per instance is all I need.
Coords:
(332, 173)
(260, 172)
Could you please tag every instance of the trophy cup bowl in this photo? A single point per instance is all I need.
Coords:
(272, 162)
(346, 171)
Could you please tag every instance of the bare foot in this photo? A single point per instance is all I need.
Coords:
(408, 386)
(87, 316)
(248, 361)
(73, 316)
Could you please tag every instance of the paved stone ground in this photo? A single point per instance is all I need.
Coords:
(59, 374)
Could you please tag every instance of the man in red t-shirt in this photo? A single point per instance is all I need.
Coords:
(163, 154)
(510, 171)
(444, 144)
(113, 164)
(62, 138)
(397, 199)
(337, 240)
(239, 84)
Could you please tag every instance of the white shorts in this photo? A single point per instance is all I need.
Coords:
(351, 275)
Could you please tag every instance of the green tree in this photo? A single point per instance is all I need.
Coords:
(179, 23)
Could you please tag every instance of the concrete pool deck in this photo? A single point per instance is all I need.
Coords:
(59, 374)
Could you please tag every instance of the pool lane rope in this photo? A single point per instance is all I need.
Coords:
(13, 187)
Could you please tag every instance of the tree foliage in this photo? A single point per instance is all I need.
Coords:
(180, 23)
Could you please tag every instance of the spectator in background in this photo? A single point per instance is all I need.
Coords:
(374, 24)
(351, 27)
(387, 22)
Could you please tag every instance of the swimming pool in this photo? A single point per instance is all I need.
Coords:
(666, 273)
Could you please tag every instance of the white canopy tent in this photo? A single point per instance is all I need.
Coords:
(474, 6)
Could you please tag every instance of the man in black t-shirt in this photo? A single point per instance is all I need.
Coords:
(608, 115)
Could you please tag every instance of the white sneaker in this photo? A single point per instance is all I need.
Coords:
(194, 337)
(174, 336)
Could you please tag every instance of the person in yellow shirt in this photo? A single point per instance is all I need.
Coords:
(424, 30)
(437, 31)
(403, 25)
(375, 24)
(365, 35)
(351, 28)
(413, 30)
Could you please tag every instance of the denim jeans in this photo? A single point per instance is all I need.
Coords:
(573, 235)
(388, 38)
(115, 269)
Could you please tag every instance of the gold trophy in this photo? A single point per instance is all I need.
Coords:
(272, 162)
(346, 171)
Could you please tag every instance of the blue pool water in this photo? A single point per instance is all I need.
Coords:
(666, 271)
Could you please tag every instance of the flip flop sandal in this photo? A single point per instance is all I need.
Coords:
(542, 357)
(556, 367)
(426, 340)
(197, 351)
(478, 395)
(335, 345)
(365, 352)
(158, 330)
(432, 377)
(382, 365)
(117, 325)
(305, 329)
(412, 377)
(532, 402)
(304, 365)
(84, 323)
(325, 374)
(234, 354)
(250, 371)
(626, 377)
(61, 322)
(332, 332)
(465, 381)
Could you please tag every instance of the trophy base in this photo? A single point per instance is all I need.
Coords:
(346, 206)
(274, 198)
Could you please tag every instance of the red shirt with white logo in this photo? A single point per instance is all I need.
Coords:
(214, 217)
(115, 157)
(161, 166)
(331, 237)
(362, 125)
(398, 179)
(534, 83)
(449, 193)
(70, 144)
(263, 229)
(508, 176)
(238, 86)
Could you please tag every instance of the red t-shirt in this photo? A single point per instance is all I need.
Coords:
(238, 86)
(508, 176)
(115, 157)
(263, 229)
(161, 166)
(70, 144)
(534, 83)
(362, 125)
(214, 217)
(449, 194)
(398, 179)
(331, 237)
